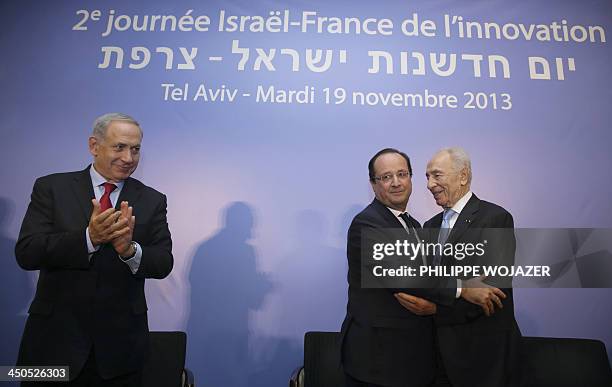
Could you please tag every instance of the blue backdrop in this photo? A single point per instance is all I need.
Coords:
(261, 191)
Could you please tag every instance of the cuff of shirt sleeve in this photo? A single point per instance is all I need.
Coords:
(134, 262)
(90, 247)
(458, 294)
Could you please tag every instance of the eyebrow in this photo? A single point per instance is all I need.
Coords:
(124, 144)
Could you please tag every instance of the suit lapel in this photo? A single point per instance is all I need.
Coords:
(392, 221)
(130, 193)
(432, 229)
(465, 219)
(436, 221)
(83, 190)
(395, 223)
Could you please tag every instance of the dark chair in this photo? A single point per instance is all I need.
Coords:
(321, 361)
(547, 362)
(565, 363)
(165, 362)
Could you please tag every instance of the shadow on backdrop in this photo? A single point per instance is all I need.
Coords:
(16, 291)
(312, 280)
(345, 222)
(225, 286)
(311, 292)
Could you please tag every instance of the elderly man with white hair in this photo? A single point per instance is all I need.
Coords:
(476, 347)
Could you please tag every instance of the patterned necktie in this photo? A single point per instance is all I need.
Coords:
(445, 230)
(105, 202)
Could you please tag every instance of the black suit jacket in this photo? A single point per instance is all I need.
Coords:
(383, 343)
(476, 350)
(83, 303)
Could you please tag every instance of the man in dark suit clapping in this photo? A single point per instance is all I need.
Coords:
(94, 235)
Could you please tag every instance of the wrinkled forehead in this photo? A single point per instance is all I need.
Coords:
(441, 162)
(123, 132)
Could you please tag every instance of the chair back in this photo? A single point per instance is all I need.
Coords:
(322, 360)
(564, 363)
(166, 359)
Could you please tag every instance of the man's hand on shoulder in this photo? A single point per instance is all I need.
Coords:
(106, 226)
(477, 292)
(416, 305)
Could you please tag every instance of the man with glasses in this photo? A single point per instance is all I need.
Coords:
(476, 347)
(94, 235)
(384, 344)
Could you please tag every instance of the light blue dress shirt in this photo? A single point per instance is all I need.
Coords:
(98, 181)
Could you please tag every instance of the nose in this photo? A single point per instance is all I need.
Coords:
(395, 182)
(430, 183)
(127, 157)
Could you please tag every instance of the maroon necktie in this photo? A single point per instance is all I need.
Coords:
(105, 202)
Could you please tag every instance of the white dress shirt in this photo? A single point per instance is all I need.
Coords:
(458, 207)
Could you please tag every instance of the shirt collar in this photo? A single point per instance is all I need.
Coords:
(396, 212)
(458, 207)
(97, 179)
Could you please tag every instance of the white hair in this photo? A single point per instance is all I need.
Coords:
(460, 160)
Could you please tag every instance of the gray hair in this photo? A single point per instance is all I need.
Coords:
(460, 160)
(101, 123)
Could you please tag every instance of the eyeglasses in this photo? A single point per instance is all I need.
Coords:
(388, 177)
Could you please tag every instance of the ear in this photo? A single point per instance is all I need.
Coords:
(463, 176)
(93, 146)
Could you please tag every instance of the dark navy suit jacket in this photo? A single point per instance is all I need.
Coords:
(84, 303)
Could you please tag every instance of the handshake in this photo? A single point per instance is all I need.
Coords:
(113, 226)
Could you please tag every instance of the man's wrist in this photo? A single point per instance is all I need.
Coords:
(92, 247)
(130, 253)
(91, 238)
